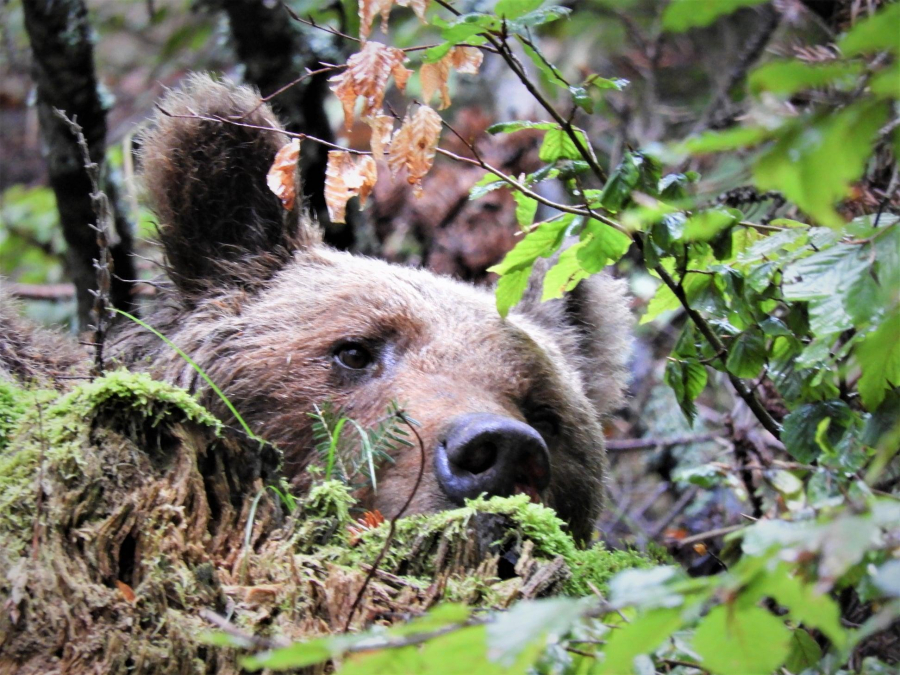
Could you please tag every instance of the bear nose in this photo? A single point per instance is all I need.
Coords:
(484, 453)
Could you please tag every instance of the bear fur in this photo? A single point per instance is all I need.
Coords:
(262, 306)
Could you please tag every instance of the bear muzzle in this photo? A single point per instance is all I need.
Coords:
(482, 453)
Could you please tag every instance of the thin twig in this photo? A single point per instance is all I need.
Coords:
(393, 524)
(39, 500)
(625, 445)
(103, 228)
(711, 534)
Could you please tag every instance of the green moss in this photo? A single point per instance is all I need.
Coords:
(539, 524)
(12, 407)
(55, 430)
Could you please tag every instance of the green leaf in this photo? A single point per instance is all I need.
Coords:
(466, 26)
(510, 289)
(879, 358)
(681, 15)
(603, 245)
(801, 426)
(603, 83)
(887, 82)
(302, 654)
(436, 53)
(747, 355)
(565, 274)
(513, 9)
(526, 208)
(518, 125)
(582, 99)
(542, 63)
(815, 161)
(539, 17)
(805, 652)
(558, 145)
(635, 171)
(445, 614)
(687, 378)
(706, 225)
(488, 183)
(789, 77)
(741, 641)
(811, 607)
(515, 268)
(531, 621)
(665, 300)
(646, 588)
(543, 241)
(730, 139)
(642, 636)
(874, 33)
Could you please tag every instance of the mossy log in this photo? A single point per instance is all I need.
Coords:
(128, 514)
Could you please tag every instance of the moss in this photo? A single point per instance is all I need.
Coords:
(534, 522)
(12, 407)
(54, 429)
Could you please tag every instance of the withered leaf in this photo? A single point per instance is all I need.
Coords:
(414, 145)
(126, 591)
(280, 178)
(367, 75)
(417, 6)
(433, 77)
(466, 60)
(382, 128)
(368, 9)
(347, 176)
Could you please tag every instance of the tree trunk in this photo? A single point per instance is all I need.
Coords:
(63, 70)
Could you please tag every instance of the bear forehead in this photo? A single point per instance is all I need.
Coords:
(325, 296)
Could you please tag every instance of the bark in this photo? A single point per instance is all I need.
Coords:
(275, 52)
(63, 71)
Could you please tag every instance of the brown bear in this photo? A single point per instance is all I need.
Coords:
(281, 323)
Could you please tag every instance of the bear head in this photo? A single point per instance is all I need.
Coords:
(283, 324)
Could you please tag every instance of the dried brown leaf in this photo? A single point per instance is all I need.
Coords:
(433, 78)
(465, 60)
(418, 6)
(368, 9)
(280, 178)
(367, 75)
(126, 591)
(347, 176)
(414, 145)
(382, 128)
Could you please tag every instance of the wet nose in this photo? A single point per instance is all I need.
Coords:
(484, 453)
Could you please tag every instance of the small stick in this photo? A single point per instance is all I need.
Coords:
(390, 535)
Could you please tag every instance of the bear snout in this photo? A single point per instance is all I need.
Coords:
(482, 453)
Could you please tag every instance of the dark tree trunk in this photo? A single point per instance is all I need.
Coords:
(275, 52)
(63, 70)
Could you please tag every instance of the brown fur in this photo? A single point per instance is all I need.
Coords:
(31, 354)
(261, 306)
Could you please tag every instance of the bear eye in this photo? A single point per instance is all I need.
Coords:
(354, 356)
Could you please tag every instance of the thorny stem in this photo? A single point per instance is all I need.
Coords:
(104, 264)
(393, 524)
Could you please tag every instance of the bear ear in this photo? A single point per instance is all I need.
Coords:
(593, 326)
(204, 162)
